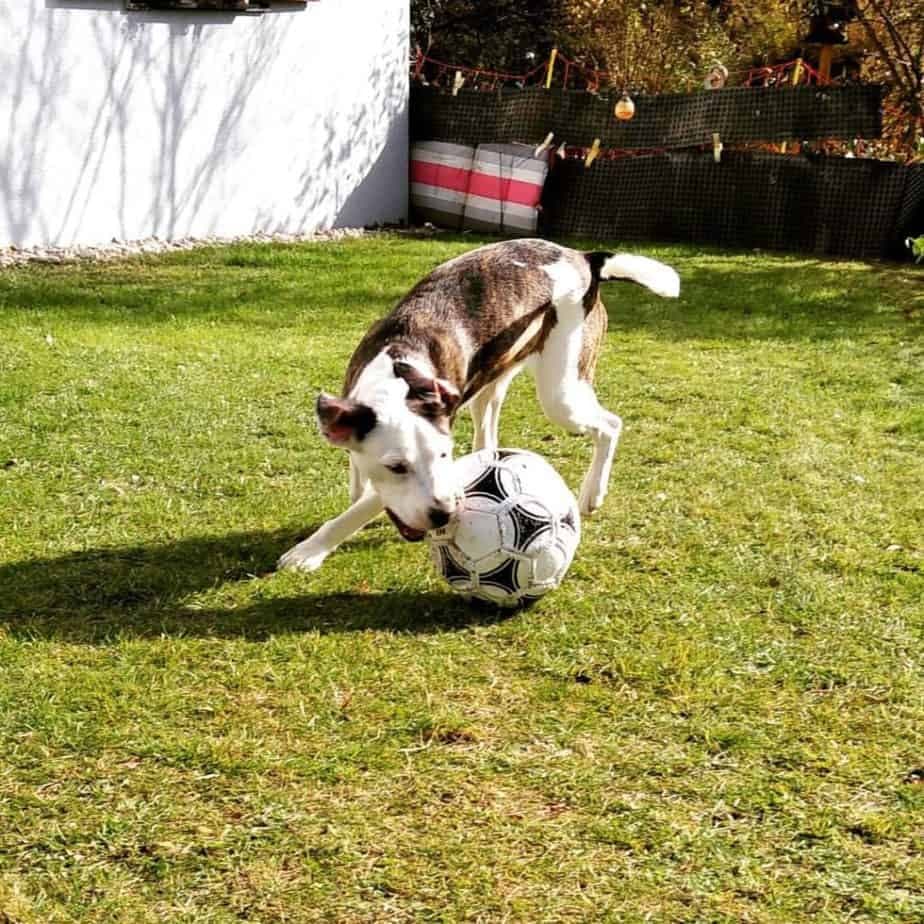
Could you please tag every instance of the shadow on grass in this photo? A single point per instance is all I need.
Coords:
(95, 596)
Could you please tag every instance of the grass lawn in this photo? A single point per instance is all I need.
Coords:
(718, 717)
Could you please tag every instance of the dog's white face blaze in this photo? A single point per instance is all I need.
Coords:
(407, 460)
(409, 464)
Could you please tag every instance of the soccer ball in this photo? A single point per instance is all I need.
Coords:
(516, 533)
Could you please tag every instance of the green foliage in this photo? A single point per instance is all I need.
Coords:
(718, 717)
(892, 33)
(501, 34)
(662, 46)
(656, 45)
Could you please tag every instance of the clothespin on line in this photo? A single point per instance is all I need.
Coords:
(457, 83)
(717, 147)
(545, 144)
(562, 151)
(593, 153)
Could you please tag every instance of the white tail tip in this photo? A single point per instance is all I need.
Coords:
(659, 277)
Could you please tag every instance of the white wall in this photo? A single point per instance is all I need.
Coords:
(176, 124)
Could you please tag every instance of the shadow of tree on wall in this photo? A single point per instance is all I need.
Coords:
(196, 157)
(33, 101)
(337, 186)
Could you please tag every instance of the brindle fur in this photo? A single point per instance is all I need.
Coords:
(476, 316)
(595, 323)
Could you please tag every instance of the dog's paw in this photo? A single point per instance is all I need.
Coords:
(302, 557)
(590, 501)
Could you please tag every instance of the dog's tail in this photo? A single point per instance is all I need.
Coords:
(660, 278)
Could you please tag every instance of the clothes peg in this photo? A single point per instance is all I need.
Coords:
(457, 82)
(717, 147)
(593, 153)
(545, 144)
(562, 151)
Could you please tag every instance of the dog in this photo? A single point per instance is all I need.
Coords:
(457, 339)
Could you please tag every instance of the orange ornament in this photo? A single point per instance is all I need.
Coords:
(625, 108)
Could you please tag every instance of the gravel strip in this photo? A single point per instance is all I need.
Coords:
(118, 250)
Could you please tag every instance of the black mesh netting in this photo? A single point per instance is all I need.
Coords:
(836, 206)
(668, 120)
(910, 221)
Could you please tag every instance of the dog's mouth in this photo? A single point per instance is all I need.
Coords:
(408, 533)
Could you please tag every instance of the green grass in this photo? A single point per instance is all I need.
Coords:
(716, 718)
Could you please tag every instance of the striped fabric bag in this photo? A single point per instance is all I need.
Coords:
(439, 181)
(494, 188)
(504, 189)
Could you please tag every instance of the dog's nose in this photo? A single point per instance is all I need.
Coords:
(439, 517)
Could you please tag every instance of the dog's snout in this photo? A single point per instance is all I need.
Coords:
(439, 517)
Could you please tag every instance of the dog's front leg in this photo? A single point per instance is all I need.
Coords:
(358, 485)
(309, 555)
(485, 409)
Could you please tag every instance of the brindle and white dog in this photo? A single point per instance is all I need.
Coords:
(458, 338)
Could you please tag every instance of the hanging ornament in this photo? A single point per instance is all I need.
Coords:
(717, 77)
(625, 108)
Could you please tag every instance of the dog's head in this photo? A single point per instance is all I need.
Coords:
(400, 441)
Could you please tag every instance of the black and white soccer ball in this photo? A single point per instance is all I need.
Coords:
(516, 533)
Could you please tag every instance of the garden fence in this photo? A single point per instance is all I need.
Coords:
(657, 178)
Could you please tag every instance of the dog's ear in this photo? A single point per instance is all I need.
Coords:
(342, 420)
(435, 397)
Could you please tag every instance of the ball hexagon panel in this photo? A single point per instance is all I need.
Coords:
(477, 534)
(503, 578)
(489, 562)
(488, 484)
(550, 564)
(570, 521)
(469, 467)
(457, 573)
(523, 521)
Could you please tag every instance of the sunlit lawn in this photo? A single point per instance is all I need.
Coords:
(718, 717)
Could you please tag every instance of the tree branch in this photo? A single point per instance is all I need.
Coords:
(865, 21)
(894, 33)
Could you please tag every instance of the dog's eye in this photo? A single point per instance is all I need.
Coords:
(399, 468)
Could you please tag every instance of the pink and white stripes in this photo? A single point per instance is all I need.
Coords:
(494, 187)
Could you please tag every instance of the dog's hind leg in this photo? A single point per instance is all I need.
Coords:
(564, 374)
(606, 438)
(574, 406)
(485, 409)
(309, 554)
(596, 481)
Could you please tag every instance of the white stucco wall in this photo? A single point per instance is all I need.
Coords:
(176, 124)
